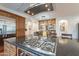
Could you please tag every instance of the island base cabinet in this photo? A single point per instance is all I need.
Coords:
(9, 49)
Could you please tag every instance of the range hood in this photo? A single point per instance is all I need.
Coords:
(38, 8)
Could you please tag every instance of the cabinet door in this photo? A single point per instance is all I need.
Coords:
(6, 49)
(9, 50)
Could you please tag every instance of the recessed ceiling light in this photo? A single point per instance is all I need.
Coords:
(46, 5)
(28, 11)
(32, 13)
(48, 9)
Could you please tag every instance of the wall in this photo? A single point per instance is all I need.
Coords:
(66, 9)
(69, 12)
(31, 26)
(72, 25)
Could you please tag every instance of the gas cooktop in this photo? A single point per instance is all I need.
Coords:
(43, 44)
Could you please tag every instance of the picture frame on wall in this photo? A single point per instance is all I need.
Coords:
(63, 27)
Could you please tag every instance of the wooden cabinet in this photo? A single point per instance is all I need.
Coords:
(20, 24)
(46, 23)
(20, 29)
(48, 26)
(9, 49)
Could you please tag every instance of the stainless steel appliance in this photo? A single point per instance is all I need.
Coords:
(41, 45)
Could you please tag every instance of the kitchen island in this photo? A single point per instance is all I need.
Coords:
(32, 47)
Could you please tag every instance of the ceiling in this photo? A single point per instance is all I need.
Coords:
(20, 7)
(61, 9)
(67, 9)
